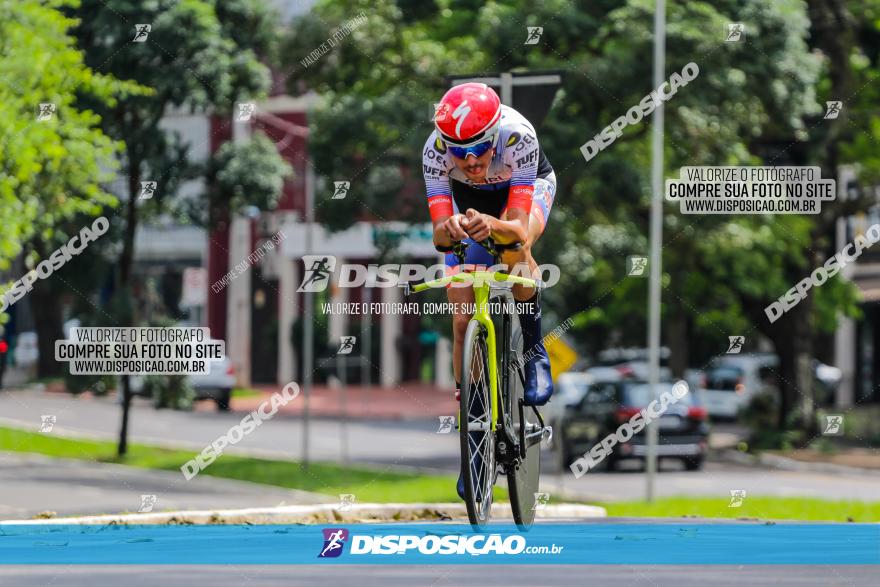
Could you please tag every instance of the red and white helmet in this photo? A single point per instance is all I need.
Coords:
(468, 114)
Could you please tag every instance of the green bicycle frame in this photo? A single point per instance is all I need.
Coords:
(481, 281)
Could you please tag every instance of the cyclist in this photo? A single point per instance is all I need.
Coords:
(486, 176)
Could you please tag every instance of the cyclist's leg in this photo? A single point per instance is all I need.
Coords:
(539, 383)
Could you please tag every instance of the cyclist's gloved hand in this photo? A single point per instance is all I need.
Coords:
(539, 383)
(453, 227)
(477, 225)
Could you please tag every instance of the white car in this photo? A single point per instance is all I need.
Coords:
(27, 353)
(216, 384)
(730, 382)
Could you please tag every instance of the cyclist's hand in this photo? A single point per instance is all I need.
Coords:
(453, 227)
(478, 225)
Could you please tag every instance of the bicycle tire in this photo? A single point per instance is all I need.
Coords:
(522, 479)
(478, 475)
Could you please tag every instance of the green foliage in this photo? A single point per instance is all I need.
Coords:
(50, 170)
(379, 83)
(249, 173)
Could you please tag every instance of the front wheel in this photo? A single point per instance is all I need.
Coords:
(475, 424)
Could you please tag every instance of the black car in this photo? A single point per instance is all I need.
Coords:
(683, 427)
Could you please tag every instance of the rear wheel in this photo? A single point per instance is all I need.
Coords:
(522, 478)
(477, 437)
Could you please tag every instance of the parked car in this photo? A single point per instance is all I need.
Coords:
(216, 385)
(569, 389)
(27, 352)
(683, 427)
(730, 382)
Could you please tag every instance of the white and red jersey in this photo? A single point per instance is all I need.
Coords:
(518, 161)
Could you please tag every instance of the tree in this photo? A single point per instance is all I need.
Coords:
(51, 170)
(198, 54)
(756, 102)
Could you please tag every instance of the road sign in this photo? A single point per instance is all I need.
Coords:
(562, 356)
(195, 287)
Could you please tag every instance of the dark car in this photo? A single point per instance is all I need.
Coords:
(683, 427)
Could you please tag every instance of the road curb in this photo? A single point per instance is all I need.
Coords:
(322, 513)
(788, 464)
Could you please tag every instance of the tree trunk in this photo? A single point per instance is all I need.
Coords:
(125, 263)
(677, 339)
(48, 323)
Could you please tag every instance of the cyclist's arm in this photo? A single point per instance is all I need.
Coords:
(435, 166)
(514, 228)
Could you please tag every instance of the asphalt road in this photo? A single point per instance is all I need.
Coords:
(30, 484)
(385, 444)
(436, 576)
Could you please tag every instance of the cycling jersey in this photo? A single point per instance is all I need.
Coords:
(510, 178)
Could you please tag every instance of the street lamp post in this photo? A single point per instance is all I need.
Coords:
(656, 242)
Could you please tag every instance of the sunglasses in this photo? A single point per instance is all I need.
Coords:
(476, 150)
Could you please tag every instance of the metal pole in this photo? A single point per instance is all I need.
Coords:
(507, 89)
(342, 366)
(656, 240)
(308, 316)
(366, 339)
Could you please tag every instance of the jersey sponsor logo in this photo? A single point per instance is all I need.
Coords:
(437, 200)
(528, 158)
(527, 141)
(513, 139)
(440, 146)
(430, 171)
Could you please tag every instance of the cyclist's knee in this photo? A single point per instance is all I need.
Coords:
(460, 324)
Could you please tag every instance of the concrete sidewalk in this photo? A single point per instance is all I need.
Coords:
(408, 401)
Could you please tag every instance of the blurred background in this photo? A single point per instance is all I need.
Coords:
(224, 128)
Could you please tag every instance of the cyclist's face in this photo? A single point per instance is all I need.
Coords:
(474, 168)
